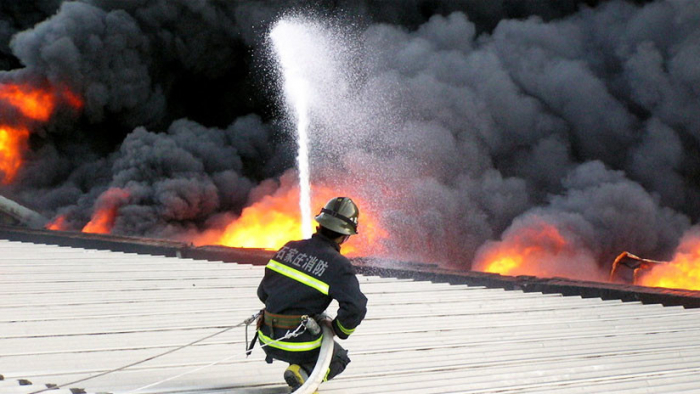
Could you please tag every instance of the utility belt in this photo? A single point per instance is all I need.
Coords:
(281, 321)
(287, 322)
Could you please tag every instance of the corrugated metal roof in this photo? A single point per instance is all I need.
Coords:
(67, 314)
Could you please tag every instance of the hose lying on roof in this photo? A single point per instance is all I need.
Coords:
(310, 386)
(244, 322)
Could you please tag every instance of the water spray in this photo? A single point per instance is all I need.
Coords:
(286, 44)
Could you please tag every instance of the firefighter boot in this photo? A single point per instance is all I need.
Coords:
(295, 376)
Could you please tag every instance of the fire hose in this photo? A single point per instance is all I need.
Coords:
(244, 322)
(324, 357)
(308, 323)
(315, 378)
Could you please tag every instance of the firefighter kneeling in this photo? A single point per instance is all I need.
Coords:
(302, 279)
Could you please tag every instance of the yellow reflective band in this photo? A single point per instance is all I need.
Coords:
(344, 330)
(290, 346)
(298, 276)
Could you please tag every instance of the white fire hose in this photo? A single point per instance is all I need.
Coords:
(315, 379)
(324, 360)
(317, 375)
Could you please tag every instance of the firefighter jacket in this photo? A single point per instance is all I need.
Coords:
(303, 278)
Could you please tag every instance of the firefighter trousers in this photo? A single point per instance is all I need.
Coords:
(339, 361)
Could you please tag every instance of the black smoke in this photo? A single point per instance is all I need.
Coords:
(480, 117)
(170, 113)
(17, 16)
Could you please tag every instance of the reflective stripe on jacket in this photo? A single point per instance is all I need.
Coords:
(305, 276)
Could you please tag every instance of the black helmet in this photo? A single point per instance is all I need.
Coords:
(340, 215)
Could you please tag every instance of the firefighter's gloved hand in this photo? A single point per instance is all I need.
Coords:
(326, 321)
(322, 316)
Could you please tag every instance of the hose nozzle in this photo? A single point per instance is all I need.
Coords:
(311, 324)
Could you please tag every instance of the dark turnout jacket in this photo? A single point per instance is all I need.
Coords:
(302, 279)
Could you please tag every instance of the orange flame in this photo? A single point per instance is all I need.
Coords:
(58, 224)
(12, 142)
(72, 99)
(682, 272)
(539, 249)
(267, 224)
(37, 103)
(521, 252)
(106, 209)
(34, 104)
(276, 219)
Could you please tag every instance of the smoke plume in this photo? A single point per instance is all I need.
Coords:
(464, 124)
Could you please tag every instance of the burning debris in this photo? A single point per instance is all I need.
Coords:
(539, 145)
(681, 272)
(627, 268)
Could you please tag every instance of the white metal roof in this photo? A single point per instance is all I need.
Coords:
(67, 314)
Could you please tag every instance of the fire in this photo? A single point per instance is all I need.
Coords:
(520, 252)
(13, 141)
(275, 220)
(34, 104)
(536, 247)
(267, 224)
(71, 98)
(58, 224)
(38, 103)
(682, 272)
(370, 233)
(506, 262)
(106, 209)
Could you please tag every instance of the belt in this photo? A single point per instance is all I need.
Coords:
(281, 321)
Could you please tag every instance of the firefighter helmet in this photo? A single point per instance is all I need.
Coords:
(340, 215)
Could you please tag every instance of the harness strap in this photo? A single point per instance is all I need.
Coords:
(258, 321)
(250, 347)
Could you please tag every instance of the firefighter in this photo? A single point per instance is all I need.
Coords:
(303, 278)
